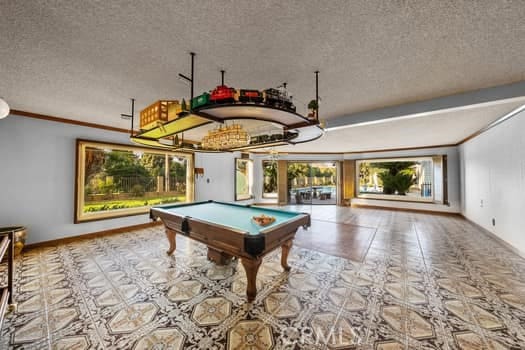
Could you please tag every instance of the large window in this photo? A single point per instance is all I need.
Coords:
(119, 180)
(269, 179)
(409, 179)
(243, 179)
(312, 183)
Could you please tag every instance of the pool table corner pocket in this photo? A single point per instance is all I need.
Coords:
(254, 244)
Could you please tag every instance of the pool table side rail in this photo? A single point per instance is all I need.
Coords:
(163, 214)
(171, 206)
(303, 218)
(203, 231)
(233, 241)
(276, 235)
(271, 209)
(185, 204)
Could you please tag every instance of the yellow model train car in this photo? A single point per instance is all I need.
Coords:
(158, 113)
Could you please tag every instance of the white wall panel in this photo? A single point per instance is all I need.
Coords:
(218, 180)
(493, 180)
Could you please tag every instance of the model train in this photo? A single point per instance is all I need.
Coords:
(224, 94)
(164, 111)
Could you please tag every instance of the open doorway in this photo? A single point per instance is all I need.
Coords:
(312, 183)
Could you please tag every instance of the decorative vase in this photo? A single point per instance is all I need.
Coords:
(20, 233)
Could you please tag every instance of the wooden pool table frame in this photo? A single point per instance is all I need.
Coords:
(224, 242)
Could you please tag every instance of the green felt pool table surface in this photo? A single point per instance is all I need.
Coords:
(232, 215)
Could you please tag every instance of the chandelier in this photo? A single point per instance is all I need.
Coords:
(226, 137)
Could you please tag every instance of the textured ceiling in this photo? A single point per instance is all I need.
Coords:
(83, 59)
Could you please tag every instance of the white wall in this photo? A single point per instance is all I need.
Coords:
(493, 180)
(218, 182)
(37, 178)
(453, 172)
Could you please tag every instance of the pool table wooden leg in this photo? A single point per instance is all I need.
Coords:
(251, 266)
(171, 240)
(285, 249)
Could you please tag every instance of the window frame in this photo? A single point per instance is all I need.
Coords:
(81, 144)
(270, 195)
(237, 197)
(394, 197)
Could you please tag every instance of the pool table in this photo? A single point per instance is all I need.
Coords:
(229, 231)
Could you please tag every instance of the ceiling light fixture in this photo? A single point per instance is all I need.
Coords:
(274, 155)
(4, 108)
(226, 137)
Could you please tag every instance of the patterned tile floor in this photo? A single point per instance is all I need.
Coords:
(425, 282)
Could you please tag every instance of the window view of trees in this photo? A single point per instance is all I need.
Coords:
(243, 179)
(269, 179)
(410, 178)
(312, 183)
(116, 179)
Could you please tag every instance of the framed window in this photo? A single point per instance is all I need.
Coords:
(406, 179)
(114, 180)
(269, 180)
(243, 179)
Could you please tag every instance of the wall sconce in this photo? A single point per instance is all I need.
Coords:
(199, 172)
(4, 108)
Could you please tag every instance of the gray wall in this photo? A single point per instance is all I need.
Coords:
(37, 176)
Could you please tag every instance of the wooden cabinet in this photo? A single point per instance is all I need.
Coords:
(6, 256)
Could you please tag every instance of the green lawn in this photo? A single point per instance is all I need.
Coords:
(130, 203)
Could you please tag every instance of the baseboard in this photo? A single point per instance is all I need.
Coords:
(496, 237)
(91, 235)
(414, 210)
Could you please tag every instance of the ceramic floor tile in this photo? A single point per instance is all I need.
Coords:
(361, 278)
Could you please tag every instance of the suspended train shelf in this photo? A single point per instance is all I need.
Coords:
(270, 121)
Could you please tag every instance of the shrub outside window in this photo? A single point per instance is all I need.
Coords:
(407, 179)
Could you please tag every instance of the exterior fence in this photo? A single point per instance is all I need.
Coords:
(302, 181)
(128, 184)
(136, 185)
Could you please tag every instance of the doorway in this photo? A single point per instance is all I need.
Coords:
(312, 183)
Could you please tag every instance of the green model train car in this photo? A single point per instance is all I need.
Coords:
(201, 100)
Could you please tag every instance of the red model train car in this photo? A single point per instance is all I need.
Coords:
(244, 95)
(222, 94)
(225, 94)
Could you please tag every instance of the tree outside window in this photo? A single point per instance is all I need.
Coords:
(269, 179)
